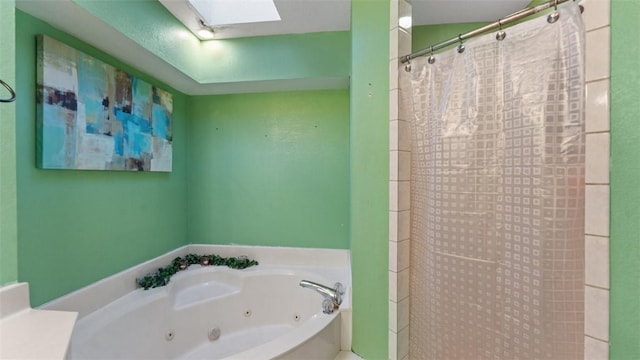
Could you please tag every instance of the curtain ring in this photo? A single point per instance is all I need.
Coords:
(500, 35)
(461, 46)
(431, 58)
(553, 17)
(13, 93)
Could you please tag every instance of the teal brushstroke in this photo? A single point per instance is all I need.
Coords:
(118, 144)
(141, 98)
(161, 122)
(141, 144)
(94, 77)
(58, 149)
(136, 138)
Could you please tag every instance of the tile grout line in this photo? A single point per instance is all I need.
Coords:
(595, 338)
(597, 287)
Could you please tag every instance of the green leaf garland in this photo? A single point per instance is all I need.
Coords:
(163, 275)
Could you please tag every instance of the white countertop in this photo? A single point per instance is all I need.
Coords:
(26, 333)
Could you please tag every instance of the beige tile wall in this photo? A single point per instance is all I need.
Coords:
(597, 19)
(596, 328)
(399, 195)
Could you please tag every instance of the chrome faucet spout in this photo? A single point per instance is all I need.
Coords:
(325, 291)
(332, 296)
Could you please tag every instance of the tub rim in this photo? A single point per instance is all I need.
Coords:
(100, 293)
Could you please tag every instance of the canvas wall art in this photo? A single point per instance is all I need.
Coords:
(92, 116)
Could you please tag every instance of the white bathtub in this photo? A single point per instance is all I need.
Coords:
(261, 312)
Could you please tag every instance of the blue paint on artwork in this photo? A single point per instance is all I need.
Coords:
(53, 116)
(96, 98)
(141, 144)
(54, 139)
(95, 115)
(92, 128)
(141, 93)
(94, 81)
(161, 122)
(118, 144)
(125, 118)
(120, 115)
(130, 134)
(144, 125)
(136, 136)
(58, 149)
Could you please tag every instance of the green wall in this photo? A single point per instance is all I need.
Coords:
(369, 134)
(270, 169)
(294, 56)
(8, 220)
(151, 25)
(324, 55)
(76, 227)
(297, 56)
(62, 213)
(625, 172)
(426, 35)
(260, 169)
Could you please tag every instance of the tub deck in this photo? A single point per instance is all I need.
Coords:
(260, 312)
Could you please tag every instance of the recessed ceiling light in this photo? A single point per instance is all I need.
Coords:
(405, 22)
(205, 34)
(225, 12)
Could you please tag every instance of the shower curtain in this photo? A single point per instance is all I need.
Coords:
(497, 195)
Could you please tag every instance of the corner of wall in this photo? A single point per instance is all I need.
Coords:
(399, 190)
(8, 217)
(369, 178)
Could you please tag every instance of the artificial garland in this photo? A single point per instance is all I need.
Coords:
(163, 275)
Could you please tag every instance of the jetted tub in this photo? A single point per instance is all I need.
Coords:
(211, 312)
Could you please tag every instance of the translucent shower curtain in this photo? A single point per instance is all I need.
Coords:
(497, 196)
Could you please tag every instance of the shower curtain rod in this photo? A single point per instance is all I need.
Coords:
(495, 25)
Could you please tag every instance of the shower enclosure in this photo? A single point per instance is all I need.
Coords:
(497, 195)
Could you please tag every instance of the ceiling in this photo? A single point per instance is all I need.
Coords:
(300, 16)
(304, 16)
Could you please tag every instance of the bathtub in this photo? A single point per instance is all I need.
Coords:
(209, 312)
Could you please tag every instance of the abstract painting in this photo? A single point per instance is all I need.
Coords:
(92, 116)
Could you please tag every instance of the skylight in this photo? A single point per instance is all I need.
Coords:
(226, 12)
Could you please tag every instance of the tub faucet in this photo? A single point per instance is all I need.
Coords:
(332, 297)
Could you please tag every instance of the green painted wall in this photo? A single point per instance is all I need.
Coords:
(625, 172)
(369, 133)
(65, 217)
(75, 227)
(424, 36)
(297, 56)
(270, 169)
(8, 220)
(60, 212)
(152, 26)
